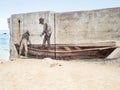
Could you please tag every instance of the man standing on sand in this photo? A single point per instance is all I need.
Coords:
(24, 43)
(46, 32)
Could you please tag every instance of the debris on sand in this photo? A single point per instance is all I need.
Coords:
(50, 62)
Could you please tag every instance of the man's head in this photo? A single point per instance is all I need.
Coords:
(41, 21)
(27, 33)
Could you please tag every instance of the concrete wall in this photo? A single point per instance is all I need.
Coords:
(68, 28)
(88, 26)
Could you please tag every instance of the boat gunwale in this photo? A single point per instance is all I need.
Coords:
(72, 51)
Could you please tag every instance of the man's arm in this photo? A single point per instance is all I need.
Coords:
(29, 42)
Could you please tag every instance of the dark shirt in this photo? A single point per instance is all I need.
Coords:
(46, 30)
(26, 36)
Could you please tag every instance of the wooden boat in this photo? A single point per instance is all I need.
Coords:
(70, 51)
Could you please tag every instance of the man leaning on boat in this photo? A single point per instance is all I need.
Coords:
(24, 43)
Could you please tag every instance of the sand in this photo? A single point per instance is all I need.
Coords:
(36, 74)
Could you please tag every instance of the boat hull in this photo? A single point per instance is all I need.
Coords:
(67, 52)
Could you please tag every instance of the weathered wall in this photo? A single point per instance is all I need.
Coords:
(68, 28)
(19, 23)
(88, 26)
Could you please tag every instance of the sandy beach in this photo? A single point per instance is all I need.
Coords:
(37, 74)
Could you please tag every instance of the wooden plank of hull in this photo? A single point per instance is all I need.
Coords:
(67, 48)
(78, 48)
